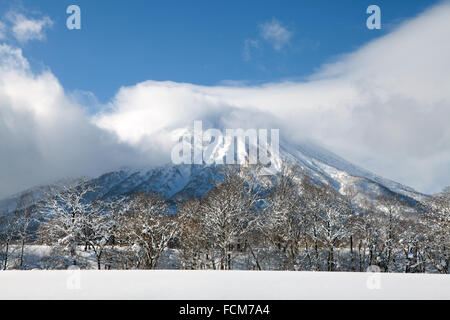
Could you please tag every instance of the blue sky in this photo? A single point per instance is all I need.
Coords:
(202, 42)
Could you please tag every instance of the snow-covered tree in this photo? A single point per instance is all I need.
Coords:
(412, 242)
(333, 227)
(15, 229)
(8, 232)
(227, 213)
(26, 218)
(210, 228)
(67, 212)
(351, 194)
(437, 222)
(283, 222)
(312, 195)
(390, 219)
(99, 227)
(196, 252)
(146, 227)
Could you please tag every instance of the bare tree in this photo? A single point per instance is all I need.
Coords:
(147, 228)
(227, 211)
(392, 217)
(195, 248)
(8, 232)
(437, 222)
(312, 195)
(283, 222)
(66, 214)
(333, 228)
(99, 228)
(353, 220)
(26, 218)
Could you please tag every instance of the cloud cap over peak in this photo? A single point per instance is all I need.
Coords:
(384, 107)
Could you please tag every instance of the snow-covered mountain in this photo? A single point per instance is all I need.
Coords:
(174, 181)
(186, 180)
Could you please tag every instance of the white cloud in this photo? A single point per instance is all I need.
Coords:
(26, 29)
(385, 107)
(2, 31)
(11, 59)
(45, 136)
(275, 33)
(249, 44)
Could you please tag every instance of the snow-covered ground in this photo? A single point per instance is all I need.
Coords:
(220, 285)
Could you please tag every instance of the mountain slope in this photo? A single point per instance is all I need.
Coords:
(184, 180)
(180, 181)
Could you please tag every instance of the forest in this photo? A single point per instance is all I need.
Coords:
(294, 223)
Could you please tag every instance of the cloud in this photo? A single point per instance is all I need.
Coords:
(44, 135)
(11, 59)
(249, 44)
(385, 107)
(2, 31)
(275, 33)
(26, 29)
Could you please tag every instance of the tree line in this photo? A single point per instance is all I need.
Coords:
(296, 223)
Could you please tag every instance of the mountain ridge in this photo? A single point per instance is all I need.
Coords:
(177, 182)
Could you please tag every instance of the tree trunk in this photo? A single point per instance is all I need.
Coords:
(330, 262)
(352, 258)
(316, 257)
(5, 261)
(254, 257)
(360, 257)
(21, 253)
